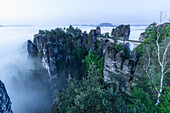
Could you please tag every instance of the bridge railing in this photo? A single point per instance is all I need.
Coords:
(111, 39)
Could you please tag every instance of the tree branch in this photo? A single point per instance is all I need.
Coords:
(146, 70)
(164, 55)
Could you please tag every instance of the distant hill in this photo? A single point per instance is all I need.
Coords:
(106, 25)
(100, 25)
(111, 25)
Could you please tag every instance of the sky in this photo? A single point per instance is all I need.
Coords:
(66, 12)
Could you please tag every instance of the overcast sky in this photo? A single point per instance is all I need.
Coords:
(65, 12)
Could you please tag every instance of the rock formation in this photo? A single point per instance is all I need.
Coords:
(122, 32)
(54, 107)
(142, 36)
(5, 103)
(31, 48)
(119, 65)
(59, 47)
(98, 31)
(156, 27)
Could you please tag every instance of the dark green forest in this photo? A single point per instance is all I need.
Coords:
(86, 91)
(92, 94)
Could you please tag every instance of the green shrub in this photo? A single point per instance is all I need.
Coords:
(93, 57)
(118, 47)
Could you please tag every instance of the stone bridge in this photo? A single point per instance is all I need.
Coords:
(112, 40)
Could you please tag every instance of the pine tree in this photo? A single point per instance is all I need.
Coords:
(90, 95)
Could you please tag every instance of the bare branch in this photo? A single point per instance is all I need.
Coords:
(166, 71)
(157, 43)
(164, 55)
(162, 16)
(146, 70)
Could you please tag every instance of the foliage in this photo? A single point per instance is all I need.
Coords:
(154, 30)
(118, 47)
(41, 32)
(143, 98)
(164, 106)
(93, 57)
(75, 32)
(139, 50)
(81, 53)
(78, 54)
(151, 33)
(106, 35)
(91, 95)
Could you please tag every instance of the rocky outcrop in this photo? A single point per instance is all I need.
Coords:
(156, 27)
(61, 52)
(54, 107)
(121, 32)
(58, 47)
(5, 103)
(119, 66)
(164, 25)
(142, 36)
(31, 48)
(98, 31)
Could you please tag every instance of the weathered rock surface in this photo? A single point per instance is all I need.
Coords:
(5, 103)
(164, 25)
(142, 36)
(54, 107)
(31, 48)
(59, 47)
(98, 31)
(119, 66)
(121, 32)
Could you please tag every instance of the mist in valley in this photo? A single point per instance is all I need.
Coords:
(25, 79)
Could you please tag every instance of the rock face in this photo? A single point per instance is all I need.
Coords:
(64, 47)
(157, 27)
(58, 47)
(5, 103)
(54, 107)
(121, 32)
(119, 66)
(142, 36)
(98, 31)
(31, 48)
(164, 25)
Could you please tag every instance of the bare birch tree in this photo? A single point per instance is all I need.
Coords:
(162, 16)
(163, 58)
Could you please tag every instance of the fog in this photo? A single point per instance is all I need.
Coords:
(20, 74)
